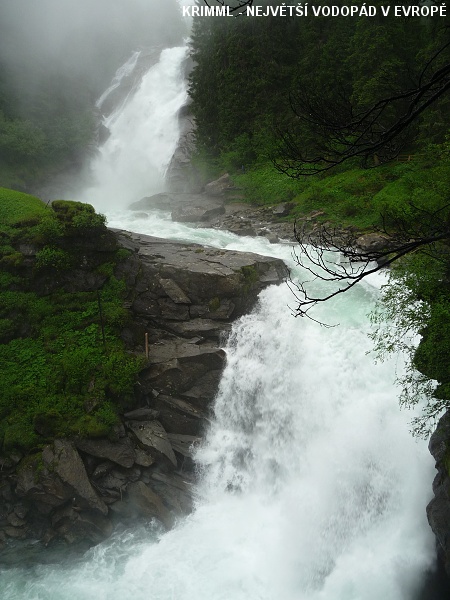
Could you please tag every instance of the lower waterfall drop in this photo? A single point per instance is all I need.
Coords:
(311, 485)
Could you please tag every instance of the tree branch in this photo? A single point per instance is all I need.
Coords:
(342, 135)
(333, 257)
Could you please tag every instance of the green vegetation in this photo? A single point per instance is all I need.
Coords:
(64, 368)
(214, 304)
(344, 198)
(250, 72)
(248, 77)
(417, 301)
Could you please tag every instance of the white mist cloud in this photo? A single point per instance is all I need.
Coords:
(81, 36)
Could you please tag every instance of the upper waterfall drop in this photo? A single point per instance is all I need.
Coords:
(124, 71)
(143, 136)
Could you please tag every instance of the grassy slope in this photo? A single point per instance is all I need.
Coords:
(354, 197)
(58, 378)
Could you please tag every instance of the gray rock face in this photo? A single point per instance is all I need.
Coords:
(198, 209)
(220, 186)
(182, 298)
(373, 242)
(438, 510)
(62, 460)
(157, 201)
(151, 435)
(200, 274)
(283, 209)
(143, 502)
(120, 452)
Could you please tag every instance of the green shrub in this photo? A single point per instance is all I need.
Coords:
(78, 218)
(52, 258)
(63, 375)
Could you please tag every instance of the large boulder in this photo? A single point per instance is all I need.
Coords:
(63, 461)
(195, 209)
(56, 478)
(220, 186)
(152, 436)
(120, 452)
(204, 278)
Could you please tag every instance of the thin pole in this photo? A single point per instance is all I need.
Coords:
(101, 319)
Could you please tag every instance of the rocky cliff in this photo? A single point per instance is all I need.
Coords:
(438, 510)
(182, 299)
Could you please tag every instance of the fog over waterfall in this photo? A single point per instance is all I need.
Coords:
(311, 485)
(81, 39)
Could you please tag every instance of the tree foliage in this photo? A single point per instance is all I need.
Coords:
(319, 84)
(345, 93)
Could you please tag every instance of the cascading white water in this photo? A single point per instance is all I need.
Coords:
(144, 133)
(124, 71)
(312, 487)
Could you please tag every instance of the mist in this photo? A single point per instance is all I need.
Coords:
(57, 57)
(78, 40)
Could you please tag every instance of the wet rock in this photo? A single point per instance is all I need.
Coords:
(283, 209)
(174, 292)
(157, 201)
(143, 458)
(273, 238)
(43, 489)
(113, 480)
(102, 469)
(175, 366)
(120, 452)
(179, 416)
(220, 186)
(152, 436)
(202, 275)
(203, 392)
(142, 414)
(173, 490)
(373, 242)
(200, 327)
(200, 208)
(62, 460)
(76, 525)
(144, 502)
(438, 510)
(15, 520)
(184, 444)
(17, 533)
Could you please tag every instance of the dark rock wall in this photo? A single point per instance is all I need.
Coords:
(438, 510)
(182, 299)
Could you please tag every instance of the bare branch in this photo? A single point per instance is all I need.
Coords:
(236, 6)
(342, 135)
(334, 257)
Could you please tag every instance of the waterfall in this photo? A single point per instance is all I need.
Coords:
(143, 135)
(122, 72)
(311, 486)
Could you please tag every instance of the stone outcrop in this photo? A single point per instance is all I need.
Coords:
(220, 186)
(220, 212)
(182, 299)
(438, 510)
